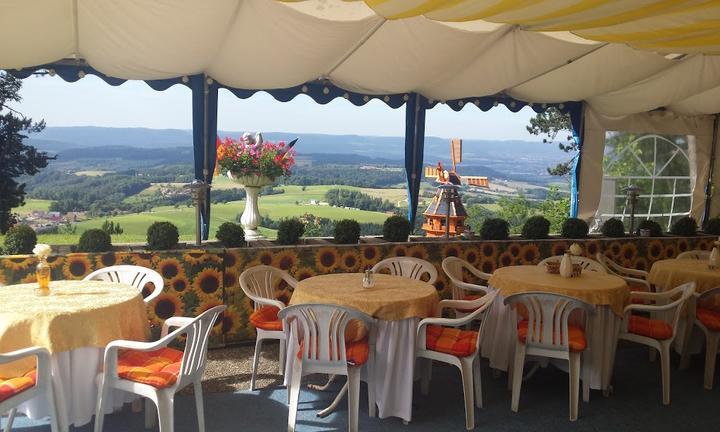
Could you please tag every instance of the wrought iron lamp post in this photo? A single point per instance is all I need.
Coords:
(632, 192)
(198, 192)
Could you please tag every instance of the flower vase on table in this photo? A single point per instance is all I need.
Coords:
(253, 163)
(42, 271)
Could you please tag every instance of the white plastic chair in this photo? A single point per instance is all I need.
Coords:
(548, 334)
(694, 254)
(469, 365)
(258, 283)
(192, 366)
(587, 263)
(136, 276)
(665, 315)
(43, 386)
(631, 276)
(320, 332)
(453, 268)
(708, 320)
(409, 267)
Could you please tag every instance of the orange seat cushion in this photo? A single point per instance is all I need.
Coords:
(266, 318)
(576, 342)
(10, 387)
(159, 368)
(710, 318)
(451, 340)
(648, 327)
(356, 352)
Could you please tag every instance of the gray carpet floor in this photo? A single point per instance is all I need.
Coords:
(635, 404)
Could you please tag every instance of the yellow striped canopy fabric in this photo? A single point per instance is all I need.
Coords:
(670, 26)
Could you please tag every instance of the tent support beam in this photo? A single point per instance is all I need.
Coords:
(415, 110)
(710, 182)
(577, 122)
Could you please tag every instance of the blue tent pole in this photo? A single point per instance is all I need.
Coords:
(577, 120)
(204, 113)
(414, 147)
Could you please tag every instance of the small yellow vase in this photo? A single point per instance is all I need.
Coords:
(42, 274)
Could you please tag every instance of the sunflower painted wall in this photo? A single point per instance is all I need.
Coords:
(196, 280)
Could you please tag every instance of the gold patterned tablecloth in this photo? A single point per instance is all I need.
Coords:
(77, 314)
(592, 287)
(669, 273)
(391, 298)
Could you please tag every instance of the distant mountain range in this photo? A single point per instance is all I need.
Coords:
(512, 159)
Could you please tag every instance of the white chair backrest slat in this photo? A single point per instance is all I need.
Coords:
(453, 268)
(198, 334)
(259, 281)
(409, 267)
(135, 276)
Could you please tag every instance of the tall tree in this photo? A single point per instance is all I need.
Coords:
(16, 158)
(552, 123)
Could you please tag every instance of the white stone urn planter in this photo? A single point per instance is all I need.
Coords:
(250, 218)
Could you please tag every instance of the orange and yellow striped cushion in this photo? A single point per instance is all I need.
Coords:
(710, 318)
(9, 387)
(576, 343)
(356, 352)
(266, 318)
(159, 368)
(451, 340)
(648, 327)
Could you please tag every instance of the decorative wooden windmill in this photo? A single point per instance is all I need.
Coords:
(445, 216)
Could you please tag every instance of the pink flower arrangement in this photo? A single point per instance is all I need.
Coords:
(243, 157)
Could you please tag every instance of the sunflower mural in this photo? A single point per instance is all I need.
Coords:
(77, 266)
(327, 259)
(369, 256)
(350, 261)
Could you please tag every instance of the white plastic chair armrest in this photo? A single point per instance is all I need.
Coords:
(267, 302)
(111, 350)
(472, 287)
(648, 308)
(176, 321)
(25, 352)
(642, 274)
(479, 273)
(637, 281)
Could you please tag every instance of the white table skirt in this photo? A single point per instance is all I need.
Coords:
(394, 367)
(75, 386)
(498, 344)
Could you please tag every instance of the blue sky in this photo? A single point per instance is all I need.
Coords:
(92, 102)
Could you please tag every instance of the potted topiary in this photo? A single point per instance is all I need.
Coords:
(162, 236)
(94, 240)
(536, 227)
(652, 228)
(712, 226)
(347, 231)
(613, 227)
(685, 226)
(20, 239)
(289, 231)
(231, 235)
(495, 229)
(396, 229)
(574, 228)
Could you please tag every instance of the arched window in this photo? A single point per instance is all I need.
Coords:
(658, 165)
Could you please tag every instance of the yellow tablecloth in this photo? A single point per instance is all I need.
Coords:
(392, 297)
(591, 287)
(76, 314)
(669, 273)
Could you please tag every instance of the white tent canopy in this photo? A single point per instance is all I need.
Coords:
(262, 44)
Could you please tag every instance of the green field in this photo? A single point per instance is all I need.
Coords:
(32, 205)
(274, 206)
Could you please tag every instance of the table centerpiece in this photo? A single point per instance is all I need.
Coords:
(253, 163)
(42, 271)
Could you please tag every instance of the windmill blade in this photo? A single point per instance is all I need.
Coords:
(476, 181)
(455, 152)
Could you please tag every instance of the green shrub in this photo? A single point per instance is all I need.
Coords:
(613, 227)
(162, 235)
(396, 229)
(685, 226)
(289, 231)
(20, 239)
(574, 228)
(495, 229)
(536, 227)
(231, 235)
(654, 227)
(94, 240)
(347, 231)
(713, 226)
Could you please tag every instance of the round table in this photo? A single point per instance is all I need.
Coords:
(607, 292)
(669, 273)
(74, 323)
(398, 304)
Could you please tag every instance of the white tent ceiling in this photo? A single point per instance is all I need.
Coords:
(263, 44)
